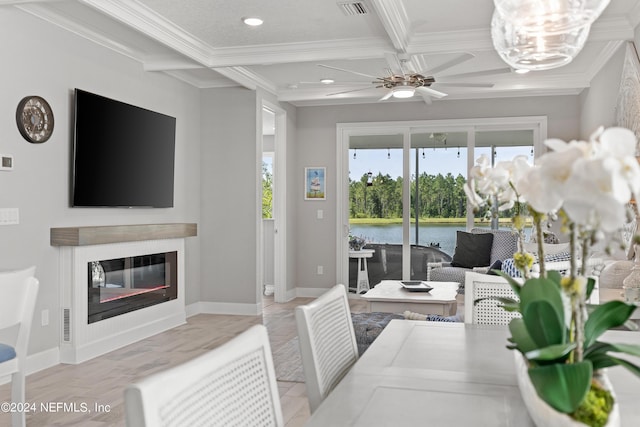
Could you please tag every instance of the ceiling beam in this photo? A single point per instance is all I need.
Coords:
(395, 21)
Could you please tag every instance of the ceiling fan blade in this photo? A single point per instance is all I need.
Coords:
(348, 71)
(348, 91)
(454, 84)
(340, 83)
(395, 65)
(455, 61)
(431, 92)
(481, 73)
(427, 99)
(387, 96)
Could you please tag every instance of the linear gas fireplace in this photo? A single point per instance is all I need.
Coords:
(121, 285)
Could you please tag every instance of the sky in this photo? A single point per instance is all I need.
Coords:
(434, 162)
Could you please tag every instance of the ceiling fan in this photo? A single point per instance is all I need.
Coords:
(401, 82)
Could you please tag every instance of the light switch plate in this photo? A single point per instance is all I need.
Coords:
(9, 216)
(6, 162)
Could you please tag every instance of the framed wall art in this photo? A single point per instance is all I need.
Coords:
(315, 183)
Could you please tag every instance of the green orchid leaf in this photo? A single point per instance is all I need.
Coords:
(515, 285)
(630, 366)
(599, 357)
(606, 316)
(591, 284)
(555, 277)
(542, 290)
(562, 386)
(553, 353)
(520, 337)
(543, 323)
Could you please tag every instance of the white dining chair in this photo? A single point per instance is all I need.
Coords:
(232, 385)
(486, 312)
(19, 292)
(327, 343)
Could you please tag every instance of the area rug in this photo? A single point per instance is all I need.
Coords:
(288, 362)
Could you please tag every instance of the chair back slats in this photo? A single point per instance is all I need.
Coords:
(490, 312)
(16, 296)
(232, 385)
(19, 293)
(327, 342)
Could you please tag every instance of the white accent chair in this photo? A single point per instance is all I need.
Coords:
(327, 343)
(232, 385)
(19, 292)
(486, 312)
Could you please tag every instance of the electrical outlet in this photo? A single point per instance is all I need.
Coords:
(320, 269)
(44, 317)
(320, 214)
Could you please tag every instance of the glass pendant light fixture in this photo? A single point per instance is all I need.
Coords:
(550, 16)
(534, 50)
(541, 35)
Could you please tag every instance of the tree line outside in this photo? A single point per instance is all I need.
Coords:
(439, 196)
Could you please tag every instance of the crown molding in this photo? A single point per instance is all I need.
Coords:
(603, 57)
(201, 83)
(300, 52)
(47, 14)
(615, 28)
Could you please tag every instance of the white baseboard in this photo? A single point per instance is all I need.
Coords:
(206, 307)
(310, 292)
(38, 362)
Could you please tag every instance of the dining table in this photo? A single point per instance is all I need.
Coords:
(448, 374)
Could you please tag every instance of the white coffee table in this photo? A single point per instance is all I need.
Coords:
(390, 297)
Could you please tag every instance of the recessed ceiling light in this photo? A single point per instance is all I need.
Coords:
(521, 70)
(252, 21)
(327, 81)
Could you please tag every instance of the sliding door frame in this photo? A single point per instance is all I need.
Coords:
(344, 131)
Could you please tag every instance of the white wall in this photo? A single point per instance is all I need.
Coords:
(229, 209)
(41, 59)
(598, 102)
(316, 146)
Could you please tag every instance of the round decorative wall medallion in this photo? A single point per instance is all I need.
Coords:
(34, 118)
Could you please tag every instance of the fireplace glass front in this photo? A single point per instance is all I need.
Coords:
(121, 285)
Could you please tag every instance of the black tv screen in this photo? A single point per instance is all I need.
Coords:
(123, 155)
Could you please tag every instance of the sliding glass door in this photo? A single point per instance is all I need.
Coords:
(401, 188)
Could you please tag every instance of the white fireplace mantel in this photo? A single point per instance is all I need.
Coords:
(81, 340)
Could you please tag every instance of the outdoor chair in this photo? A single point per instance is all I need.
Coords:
(234, 384)
(19, 292)
(503, 246)
(327, 343)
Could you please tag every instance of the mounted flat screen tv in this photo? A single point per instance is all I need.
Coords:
(123, 155)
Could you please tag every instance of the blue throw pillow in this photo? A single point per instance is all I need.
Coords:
(6, 352)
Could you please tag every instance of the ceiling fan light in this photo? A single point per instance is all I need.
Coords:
(532, 50)
(402, 92)
(521, 71)
(327, 81)
(550, 16)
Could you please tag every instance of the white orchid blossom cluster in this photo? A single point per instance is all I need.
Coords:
(592, 182)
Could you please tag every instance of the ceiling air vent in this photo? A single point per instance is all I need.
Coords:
(353, 7)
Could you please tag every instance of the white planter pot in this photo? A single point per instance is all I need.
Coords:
(544, 415)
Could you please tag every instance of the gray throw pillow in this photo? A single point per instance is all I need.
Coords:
(472, 250)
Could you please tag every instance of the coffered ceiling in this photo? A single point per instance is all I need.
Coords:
(205, 43)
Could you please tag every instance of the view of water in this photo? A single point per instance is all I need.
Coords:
(444, 234)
